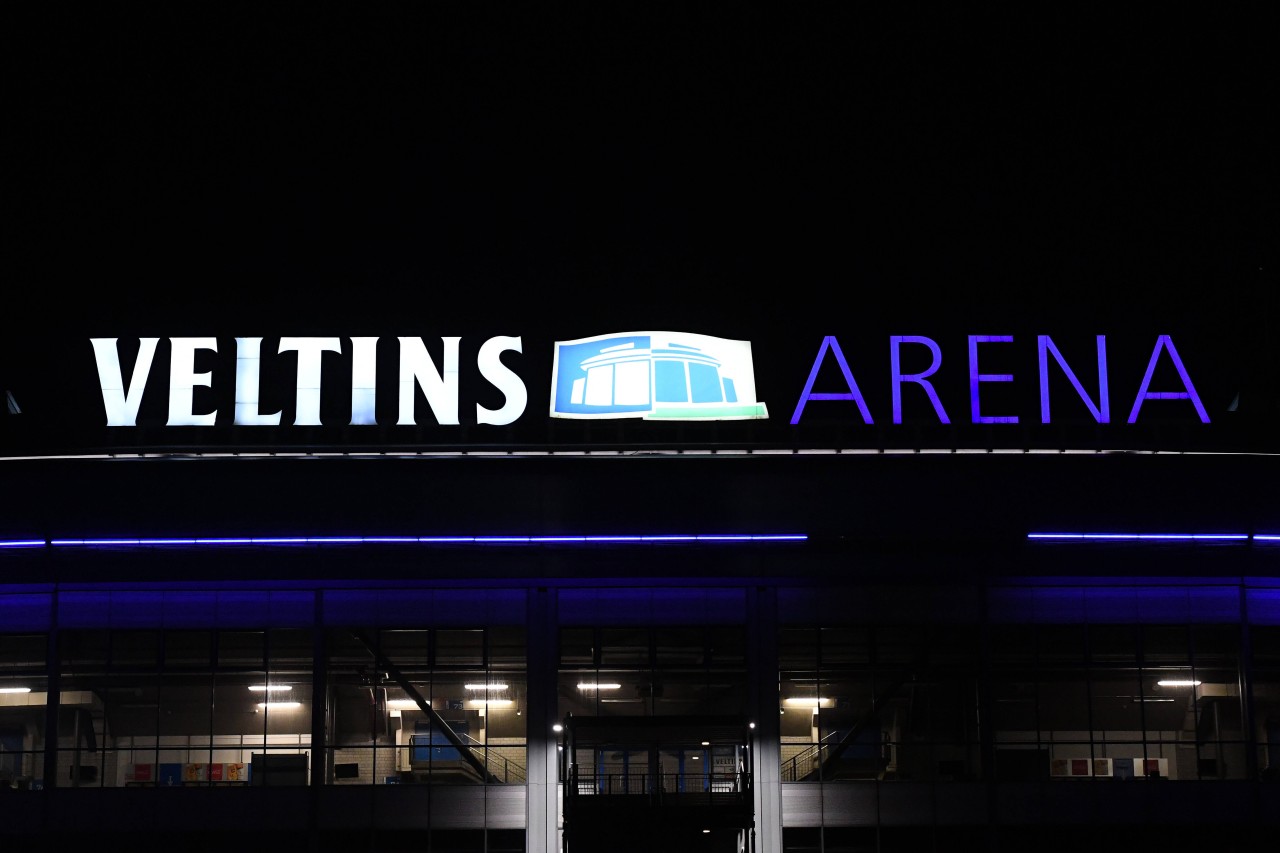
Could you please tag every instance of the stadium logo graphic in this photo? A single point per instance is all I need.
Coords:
(655, 376)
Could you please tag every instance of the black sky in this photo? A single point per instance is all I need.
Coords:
(335, 168)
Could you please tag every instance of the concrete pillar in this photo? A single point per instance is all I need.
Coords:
(542, 799)
(762, 669)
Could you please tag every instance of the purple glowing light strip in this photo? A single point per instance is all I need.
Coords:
(398, 540)
(1145, 537)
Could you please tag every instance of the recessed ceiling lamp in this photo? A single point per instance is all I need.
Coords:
(402, 705)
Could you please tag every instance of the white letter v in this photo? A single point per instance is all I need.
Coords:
(122, 407)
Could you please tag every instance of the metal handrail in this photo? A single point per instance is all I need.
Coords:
(790, 772)
(511, 771)
(483, 754)
(659, 785)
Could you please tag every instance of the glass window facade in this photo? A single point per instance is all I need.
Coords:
(887, 703)
(426, 706)
(23, 689)
(942, 715)
(181, 708)
(1117, 702)
(652, 671)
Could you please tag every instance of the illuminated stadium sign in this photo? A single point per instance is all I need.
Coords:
(647, 375)
(417, 370)
(652, 375)
(639, 389)
(1048, 355)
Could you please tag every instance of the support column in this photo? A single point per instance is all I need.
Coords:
(766, 753)
(321, 758)
(1245, 686)
(53, 691)
(542, 793)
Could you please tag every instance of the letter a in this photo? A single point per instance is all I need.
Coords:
(829, 343)
(1166, 342)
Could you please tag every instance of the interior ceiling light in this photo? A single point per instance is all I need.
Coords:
(402, 705)
(598, 685)
(808, 701)
(1178, 682)
(279, 704)
(270, 688)
(495, 686)
(15, 689)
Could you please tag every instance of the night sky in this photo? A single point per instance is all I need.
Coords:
(477, 170)
(181, 170)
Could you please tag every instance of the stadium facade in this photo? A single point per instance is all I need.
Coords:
(821, 589)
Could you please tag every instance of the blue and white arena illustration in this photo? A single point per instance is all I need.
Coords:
(655, 376)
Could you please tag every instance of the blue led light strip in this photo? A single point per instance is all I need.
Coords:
(397, 540)
(1152, 537)
(1261, 538)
